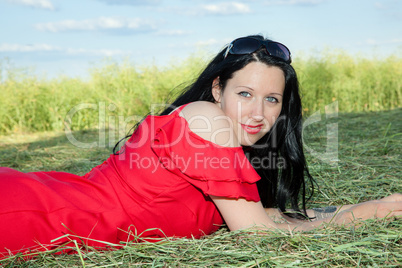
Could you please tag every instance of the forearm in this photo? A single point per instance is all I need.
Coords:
(318, 216)
(326, 212)
(302, 226)
(315, 214)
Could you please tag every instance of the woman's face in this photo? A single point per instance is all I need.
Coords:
(252, 99)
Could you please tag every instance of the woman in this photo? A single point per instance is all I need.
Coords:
(227, 150)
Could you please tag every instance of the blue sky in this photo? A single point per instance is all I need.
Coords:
(54, 37)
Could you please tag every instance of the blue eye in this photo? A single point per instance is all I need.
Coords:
(272, 99)
(244, 94)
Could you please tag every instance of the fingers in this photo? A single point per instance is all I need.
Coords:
(388, 209)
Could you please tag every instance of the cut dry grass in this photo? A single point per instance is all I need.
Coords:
(369, 167)
(329, 247)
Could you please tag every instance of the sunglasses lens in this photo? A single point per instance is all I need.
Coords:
(278, 50)
(245, 46)
(248, 45)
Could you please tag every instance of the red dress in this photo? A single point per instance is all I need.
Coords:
(158, 185)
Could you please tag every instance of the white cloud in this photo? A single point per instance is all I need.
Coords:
(69, 51)
(119, 25)
(229, 8)
(43, 4)
(294, 2)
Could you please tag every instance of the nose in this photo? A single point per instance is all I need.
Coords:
(257, 111)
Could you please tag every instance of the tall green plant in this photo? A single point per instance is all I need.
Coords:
(357, 83)
(121, 93)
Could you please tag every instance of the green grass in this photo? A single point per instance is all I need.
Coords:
(117, 95)
(369, 167)
(125, 92)
(357, 83)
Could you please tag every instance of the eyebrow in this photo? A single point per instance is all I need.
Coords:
(276, 94)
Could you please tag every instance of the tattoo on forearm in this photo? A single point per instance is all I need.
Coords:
(322, 213)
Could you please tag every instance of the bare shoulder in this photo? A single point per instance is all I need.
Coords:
(207, 120)
(197, 108)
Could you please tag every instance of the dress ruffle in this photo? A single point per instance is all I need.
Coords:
(214, 169)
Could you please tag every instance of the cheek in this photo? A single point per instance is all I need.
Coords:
(274, 114)
(278, 112)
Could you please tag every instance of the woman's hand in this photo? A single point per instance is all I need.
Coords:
(387, 207)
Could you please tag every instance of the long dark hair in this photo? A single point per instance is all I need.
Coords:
(282, 164)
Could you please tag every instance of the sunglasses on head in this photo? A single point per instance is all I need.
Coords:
(247, 45)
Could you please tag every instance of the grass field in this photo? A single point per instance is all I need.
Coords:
(369, 167)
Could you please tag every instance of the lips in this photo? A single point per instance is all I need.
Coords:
(252, 129)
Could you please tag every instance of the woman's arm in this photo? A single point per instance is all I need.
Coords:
(243, 214)
(315, 213)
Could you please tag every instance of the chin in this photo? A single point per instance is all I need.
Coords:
(248, 143)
